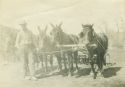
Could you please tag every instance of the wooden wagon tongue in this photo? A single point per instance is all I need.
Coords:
(72, 45)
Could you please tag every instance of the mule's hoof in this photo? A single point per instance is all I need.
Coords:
(100, 74)
(91, 74)
(27, 78)
(95, 75)
(70, 74)
(76, 71)
(34, 78)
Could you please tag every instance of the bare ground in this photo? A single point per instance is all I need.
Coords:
(114, 76)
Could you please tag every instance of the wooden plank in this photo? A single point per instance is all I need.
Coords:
(72, 45)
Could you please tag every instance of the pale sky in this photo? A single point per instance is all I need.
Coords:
(71, 12)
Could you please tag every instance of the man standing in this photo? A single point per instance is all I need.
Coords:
(25, 43)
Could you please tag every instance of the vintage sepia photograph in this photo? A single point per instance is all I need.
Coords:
(62, 43)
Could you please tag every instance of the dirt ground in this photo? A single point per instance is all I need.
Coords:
(114, 76)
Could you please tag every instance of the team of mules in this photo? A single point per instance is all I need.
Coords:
(96, 45)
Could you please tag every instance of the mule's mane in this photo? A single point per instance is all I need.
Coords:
(64, 38)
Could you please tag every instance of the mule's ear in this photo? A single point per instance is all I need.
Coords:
(39, 29)
(80, 34)
(46, 28)
(92, 25)
(82, 26)
(56, 25)
(93, 33)
(52, 25)
(60, 24)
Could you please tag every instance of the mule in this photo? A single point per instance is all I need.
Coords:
(68, 55)
(44, 46)
(97, 45)
(47, 47)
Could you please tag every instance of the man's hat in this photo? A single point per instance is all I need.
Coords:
(23, 23)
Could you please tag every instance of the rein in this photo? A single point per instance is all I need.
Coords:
(57, 51)
(98, 40)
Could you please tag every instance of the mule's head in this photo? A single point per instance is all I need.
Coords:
(42, 35)
(87, 33)
(42, 32)
(56, 32)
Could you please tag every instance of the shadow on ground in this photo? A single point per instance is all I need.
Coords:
(83, 72)
(109, 72)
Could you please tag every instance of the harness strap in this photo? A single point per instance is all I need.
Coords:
(98, 41)
(56, 51)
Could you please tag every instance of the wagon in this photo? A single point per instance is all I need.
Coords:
(82, 52)
(83, 55)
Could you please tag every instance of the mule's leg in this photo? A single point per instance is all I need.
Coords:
(94, 67)
(100, 69)
(93, 70)
(76, 60)
(51, 61)
(42, 62)
(64, 59)
(41, 56)
(100, 65)
(69, 74)
(59, 59)
(36, 59)
(46, 63)
(70, 64)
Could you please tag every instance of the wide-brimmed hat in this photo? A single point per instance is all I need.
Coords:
(23, 23)
(87, 25)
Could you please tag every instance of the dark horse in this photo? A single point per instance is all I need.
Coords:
(68, 54)
(97, 45)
